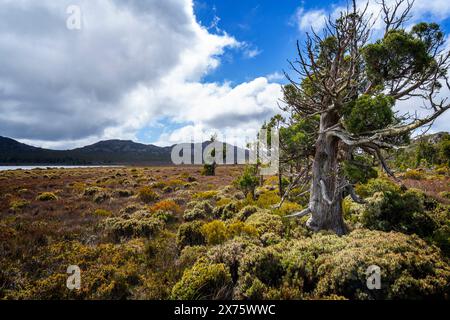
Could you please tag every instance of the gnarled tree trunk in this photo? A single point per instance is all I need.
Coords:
(326, 196)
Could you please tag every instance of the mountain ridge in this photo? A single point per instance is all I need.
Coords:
(104, 152)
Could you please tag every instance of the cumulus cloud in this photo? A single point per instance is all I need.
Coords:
(311, 19)
(236, 112)
(130, 64)
(275, 76)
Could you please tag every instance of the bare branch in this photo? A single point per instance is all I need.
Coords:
(299, 214)
(354, 196)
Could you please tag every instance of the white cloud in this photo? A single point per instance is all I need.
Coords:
(213, 107)
(311, 19)
(131, 64)
(251, 53)
(422, 9)
(249, 50)
(275, 76)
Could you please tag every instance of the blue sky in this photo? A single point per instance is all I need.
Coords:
(155, 71)
(270, 27)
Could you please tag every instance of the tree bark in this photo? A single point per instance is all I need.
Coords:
(326, 196)
(280, 182)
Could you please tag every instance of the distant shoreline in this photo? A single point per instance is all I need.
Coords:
(31, 167)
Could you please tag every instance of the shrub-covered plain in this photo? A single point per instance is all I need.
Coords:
(132, 240)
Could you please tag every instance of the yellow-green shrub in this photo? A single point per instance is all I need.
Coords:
(376, 185)
(205, 195)
(413, 174)
(17, 205)
(239, 228)
(190, 234)
(227, 211)
(108, 272)
(47, 196)
(264, 221)
(215, 232)
(136, 225)
(267, 199)
(204, 281)
(147, 195)
(287, 208)
(325, 265)
(90, 191)
(103, 213)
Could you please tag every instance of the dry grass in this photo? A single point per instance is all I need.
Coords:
(433, 186)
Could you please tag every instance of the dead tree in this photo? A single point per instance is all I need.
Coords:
(352, 83)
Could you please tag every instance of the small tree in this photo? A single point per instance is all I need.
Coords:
(248, 181)
(444, 150)
(428, 152)
(296, 152)
(209, 169)
(352, 84)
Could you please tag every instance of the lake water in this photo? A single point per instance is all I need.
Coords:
(4, 168)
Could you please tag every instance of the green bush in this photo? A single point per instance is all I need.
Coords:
(204, 205)
(441, 236)
(445, 194)
(359, 169)
(204, 281)
(168, 189)
(90, 191)
(265, 222)
(246, 212)
(189, 256)
(414, 174)
(231, 253)
(426, 154)
(147, 195)
(47, 196)
(410, 269)
(130, 209)
(241, 229)
(403, 212)
(17, 205)
(268, 199)
(124, 193)
(205, 195)
(327, 266)
(199, 210)
(190, 234)
(226, 211)
(376, 185)
(264, 264)
(444, 150)
(101, 197)
(194, 214)
(102, 213)
(137, 225)
(248, 181)
(109, 272)
(215, 232)
(209, 170)
(166, 216)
